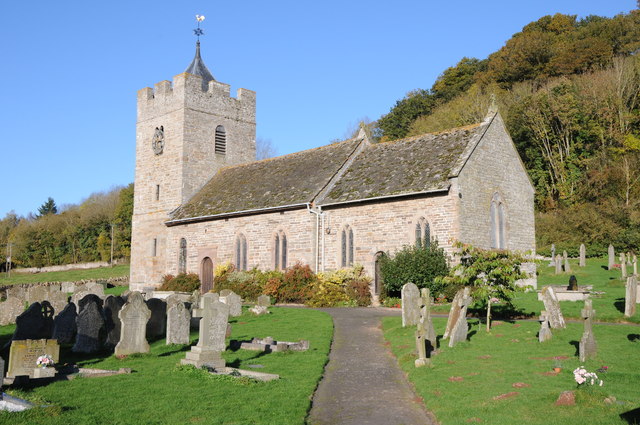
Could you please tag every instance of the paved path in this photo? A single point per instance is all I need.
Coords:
(362, 383)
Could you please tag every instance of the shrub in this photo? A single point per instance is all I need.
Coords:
(341, 288)
(183, 282)
(296, 284)
(328, 294)
(417, 264)
(249, 285)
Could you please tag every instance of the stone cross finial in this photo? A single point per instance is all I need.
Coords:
(493, 106)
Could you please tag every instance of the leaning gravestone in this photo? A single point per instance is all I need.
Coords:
(134, 316)
(583, 256)
(23, 355)
(178, 321)
(264, 301)
(455, 311)
(630, 296)
(545, 333)
(64, 325)
(234, 302)
(612, 257)
(425, 333)
(157, 324)
(410, 304)
(35, 323)
(112, 306)
(588, 347)
(552, 307)
(213, 328)
(461, 327)
(91, 332)
(10, 309)
(558, 264)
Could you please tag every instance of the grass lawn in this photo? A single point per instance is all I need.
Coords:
(162, 392)
(461, 386)
(65, 276)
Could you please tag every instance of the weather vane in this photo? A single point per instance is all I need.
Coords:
(198, 31)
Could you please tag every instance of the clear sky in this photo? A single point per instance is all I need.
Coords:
(70, 71)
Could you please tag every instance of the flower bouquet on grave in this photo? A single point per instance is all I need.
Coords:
(45, 361)
(585, 378)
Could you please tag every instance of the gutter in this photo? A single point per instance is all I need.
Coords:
(233, 214)
(376, 198)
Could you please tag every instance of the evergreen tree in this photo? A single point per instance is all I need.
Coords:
(49, 207)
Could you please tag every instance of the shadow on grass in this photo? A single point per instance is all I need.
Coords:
(236, 363)
(633, 337)
(505, 313)
(178, 349)
(619, 304)
(576, 344)
(632, 416)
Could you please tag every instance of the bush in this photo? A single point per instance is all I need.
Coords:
(249, 285)
(344, 287)
(294, 286)
(328, 294)
(417, 264)
(183, 282)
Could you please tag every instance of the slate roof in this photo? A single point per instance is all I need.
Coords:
(336, 173)
(197, 67)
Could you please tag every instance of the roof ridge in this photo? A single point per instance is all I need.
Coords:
(436, 133)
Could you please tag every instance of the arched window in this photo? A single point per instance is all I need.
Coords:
(347, 247)
(498, 223)
(422, 233)
(241, 252)
(280, 250)
(182, 256)
(221, 140)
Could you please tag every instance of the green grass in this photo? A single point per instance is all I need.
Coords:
(161, 392)
(65, 276)
(517, 356)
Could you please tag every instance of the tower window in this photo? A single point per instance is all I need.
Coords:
(182, 257)
(221, 140)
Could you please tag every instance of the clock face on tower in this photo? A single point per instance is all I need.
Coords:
(158, 140)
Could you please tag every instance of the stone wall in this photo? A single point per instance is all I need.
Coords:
(65, 267)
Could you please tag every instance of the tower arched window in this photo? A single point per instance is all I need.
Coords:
(241, 252)
(347, 247)
(422, 233)
(280, 250)
(221, 140)
(182, 256)
(498, 223)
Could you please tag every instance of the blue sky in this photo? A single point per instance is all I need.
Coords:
(71, 69)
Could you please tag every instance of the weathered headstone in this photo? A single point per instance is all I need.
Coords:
(623, 266)
(112, 306)
(410, 304)
(91, 332)
(264, 301)
(552, 307)
(36, 294)
(567, 267)
(631, 296)
(587, 347)
(213, 328)
(453, 313)
(553, 255)
(233, 300)
(635, 265)
(573, 283)
(95, 288)
(425, 333)
(134, 316)
(558, 264)
(172, 300)
(35, 323)
(89, 298)
(10, 309)
(545, 333)
(1, 371)
(461, 328)
(583, 255)
(178, 320)
(157, 324)
(58, 300)
(612, 257)
(23, 355)
(64, 325)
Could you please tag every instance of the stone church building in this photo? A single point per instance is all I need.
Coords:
(202, 199)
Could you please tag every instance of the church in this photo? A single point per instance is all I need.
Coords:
(201, 199)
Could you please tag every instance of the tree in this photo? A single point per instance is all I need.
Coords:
(49, 207)
(396, 124)
(264, 149)
(490, 274)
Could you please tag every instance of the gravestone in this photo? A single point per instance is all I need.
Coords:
(178, 321)
(410, 304)
(10, 309)
(553, 255)
(157, 324)
(612, 257)
(552, 307)
(454, 312)
(90, 328)
(588, 347)
(1, 372)
(112, 306)
(134, 316)
(58, 300)
(88, 298)
(623, 266)
(35, 323)
(23, 355)
(234, 302)
(631, 296)
(425, 333)
(64, 325)
(567, 267)
(558, 264)
(573, 283)
(583, 255)
(264, 301)
(172, 300)
(545, 332)
(461, 327)
(213, 328)
(36, 294)
(635, 265)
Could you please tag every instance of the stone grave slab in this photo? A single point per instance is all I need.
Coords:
(134, 316)
(178, 324)
(552, 307)
(36, 294)
(454, 312)
(545, 332)
(90, 328)
(64, 325)
(111, 308)
(24, 353)
(157, 324)
(410, 304)
(234, 302)
(630, 296)
(461, 327)
(212, 332)
(587, 347)
(612, 256)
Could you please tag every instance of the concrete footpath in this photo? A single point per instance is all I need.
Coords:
(362, 383)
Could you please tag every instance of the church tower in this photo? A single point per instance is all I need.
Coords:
(186, 131)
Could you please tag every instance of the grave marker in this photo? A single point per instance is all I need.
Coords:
(623, 266)
(588, 347)
(264, 301)
(157, 324)
(630, 296)
(64, 325)
(35, 323)
(112, 307)
(178, 321)
(233, 300)
(461, 327)
(567, 267)
(425, 333)
(23, 355)
(612, 257)
(545, 333)
(134, 316)
(410, 304)
(583, 255)
(552, 307)
(213, 328)
(90, 328)
(558, 264)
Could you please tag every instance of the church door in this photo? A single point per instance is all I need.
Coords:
(378, 275)
(207, 275)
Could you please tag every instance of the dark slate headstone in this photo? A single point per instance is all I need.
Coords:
(1, 370)
(573, 283)
(112, 306)
(87, 299)
(157, 324)
(35, 323)
(90, 323)
(64, 325)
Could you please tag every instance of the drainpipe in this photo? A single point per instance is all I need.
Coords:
(322, 214)
(311, 210)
